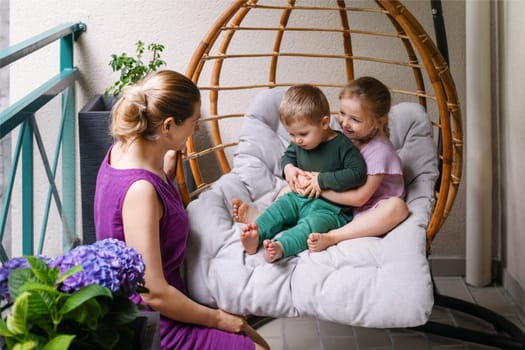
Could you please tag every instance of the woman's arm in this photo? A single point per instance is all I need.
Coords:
(141, 213)
(170, 164)
(356, 197)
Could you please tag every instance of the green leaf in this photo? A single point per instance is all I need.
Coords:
(83, 295)
(27, 345)
(70, 272)
(40, 269)
(16, 321)
(60, 342)
(88, 314)
(4, 331)
(132, 69)
(32, 285)
(18, 278)
(41, 302)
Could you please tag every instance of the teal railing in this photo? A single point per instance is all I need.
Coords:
(21, 116)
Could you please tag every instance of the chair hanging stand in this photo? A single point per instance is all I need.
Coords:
(510, 336)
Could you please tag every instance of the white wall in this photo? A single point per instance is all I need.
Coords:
(114, 26)
(512, 76)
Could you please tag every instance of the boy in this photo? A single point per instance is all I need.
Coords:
(318, 158)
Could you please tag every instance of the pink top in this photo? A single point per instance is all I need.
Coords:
(381, 158)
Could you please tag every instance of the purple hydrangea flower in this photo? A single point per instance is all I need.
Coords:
(109, 263)
(13, 264)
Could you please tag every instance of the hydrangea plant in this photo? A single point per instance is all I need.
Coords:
(79, 300)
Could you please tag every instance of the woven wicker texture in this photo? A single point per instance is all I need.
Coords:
(325, 43)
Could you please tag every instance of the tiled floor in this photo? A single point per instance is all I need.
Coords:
(312, 334)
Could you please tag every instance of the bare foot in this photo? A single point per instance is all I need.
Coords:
(272, 250)
(242, 212)
(318, 242)
(250, 238)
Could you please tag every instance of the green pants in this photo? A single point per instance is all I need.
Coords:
(300, 216)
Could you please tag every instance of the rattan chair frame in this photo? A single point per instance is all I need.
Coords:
(422, 56)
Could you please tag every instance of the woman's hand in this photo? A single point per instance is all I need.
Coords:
(229, 322)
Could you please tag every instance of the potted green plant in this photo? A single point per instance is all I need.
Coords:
(79, 300)
(94, 117)
(132, 69)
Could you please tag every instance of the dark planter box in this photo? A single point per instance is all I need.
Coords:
(148, 330)
(94, 141)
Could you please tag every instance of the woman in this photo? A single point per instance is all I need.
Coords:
(136, 201)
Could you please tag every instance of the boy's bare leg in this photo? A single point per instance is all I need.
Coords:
(250, 238)
(244, 213)
(272, 250)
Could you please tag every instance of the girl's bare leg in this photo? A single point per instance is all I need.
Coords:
(272, 250)
(318, 242)
(250, 238)
(244, 213)
(373, 223)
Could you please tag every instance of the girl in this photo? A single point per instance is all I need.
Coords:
(379, 206)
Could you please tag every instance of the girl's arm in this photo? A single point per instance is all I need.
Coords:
(141, 213)
(356, 197)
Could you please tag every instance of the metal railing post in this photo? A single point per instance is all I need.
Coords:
(68, 143)
(27, 190)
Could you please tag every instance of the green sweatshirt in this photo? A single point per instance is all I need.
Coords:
(339, 163)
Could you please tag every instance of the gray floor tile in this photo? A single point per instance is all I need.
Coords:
(437, 341)
(272, 329)
(335, 329)
(442, 315)
(454, 287)
(301, 334)
(471, 346)
(339, 343)
(493, 299)
(419, 342)
(471, 322)
(296, 343)
(276, 343)
(369, 338)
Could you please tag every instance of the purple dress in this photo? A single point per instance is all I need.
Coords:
(111, 188)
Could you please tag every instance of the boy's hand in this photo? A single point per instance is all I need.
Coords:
(303, 182)
(291, 174)
(311, 185)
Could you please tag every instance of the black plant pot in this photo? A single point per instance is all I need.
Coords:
(94, 141)
(148, 330)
